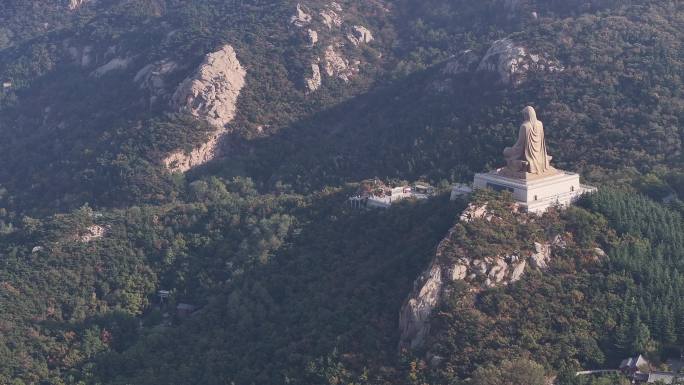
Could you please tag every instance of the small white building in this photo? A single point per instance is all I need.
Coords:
(377, 202)
(632, 365)
(422, 190)
(393, 195)
(383, 197)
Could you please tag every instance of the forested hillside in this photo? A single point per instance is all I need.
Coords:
(287, 284)
(607, 110)
(80, 128)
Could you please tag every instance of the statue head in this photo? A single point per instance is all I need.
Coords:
(529, 115)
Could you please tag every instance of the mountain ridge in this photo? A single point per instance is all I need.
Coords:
(100, 241)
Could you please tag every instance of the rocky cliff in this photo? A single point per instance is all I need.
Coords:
(509, 60)
(332, 41)
(210, 94)
(479, 267)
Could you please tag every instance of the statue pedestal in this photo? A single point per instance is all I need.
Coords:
(539, 192)
(508, 173)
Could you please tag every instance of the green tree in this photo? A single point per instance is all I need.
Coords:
(641, 337)
(516, 372)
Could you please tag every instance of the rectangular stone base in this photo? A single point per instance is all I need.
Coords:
(537, 195)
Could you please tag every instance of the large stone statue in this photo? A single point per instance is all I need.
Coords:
(527, 158)
(528, 175)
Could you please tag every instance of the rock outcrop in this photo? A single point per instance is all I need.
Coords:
(504, 58)
(473, 212)
(597, 254)
(180, 161)
(92, 233)
(335, 60)
(359, 34)
(76, 4)
(414, 319)
(312, 37)
(337, 66)
(210, 94)
(314, 81)
(511, 61)
(541, 258)
(331, 18)
(302, 16)
(518, 271)
(477, 273)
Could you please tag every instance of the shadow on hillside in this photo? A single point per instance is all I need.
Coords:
(333, 290)
(418, 126)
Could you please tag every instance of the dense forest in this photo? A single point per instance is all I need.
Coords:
(285, 284)
(263, 269)
(75, 138)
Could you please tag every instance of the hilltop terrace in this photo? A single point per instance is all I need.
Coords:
(373, 193)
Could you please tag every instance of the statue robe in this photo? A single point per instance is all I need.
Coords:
(530, 147)
(535, 148)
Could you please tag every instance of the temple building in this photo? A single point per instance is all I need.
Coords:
(375, 194)
(528, 173)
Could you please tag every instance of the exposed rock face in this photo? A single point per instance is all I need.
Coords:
(541, 258)
(459, 271)
(211, 95)
(313, 37)
(498, 271)
(333, 62)
(302, 17)
(477, 273)
(504, 58)
(338, 66)
(511, 62)
(76, 4)
(331, 18)
(473, 212)
(118, 63)
(314, 82)
(598, 254)
(212, 92)
(180, 161)
(414, 318)
(92, 233)
(518, 271)
(152, 78)
(360, 34)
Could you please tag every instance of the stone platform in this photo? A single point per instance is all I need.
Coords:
(538, 194)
